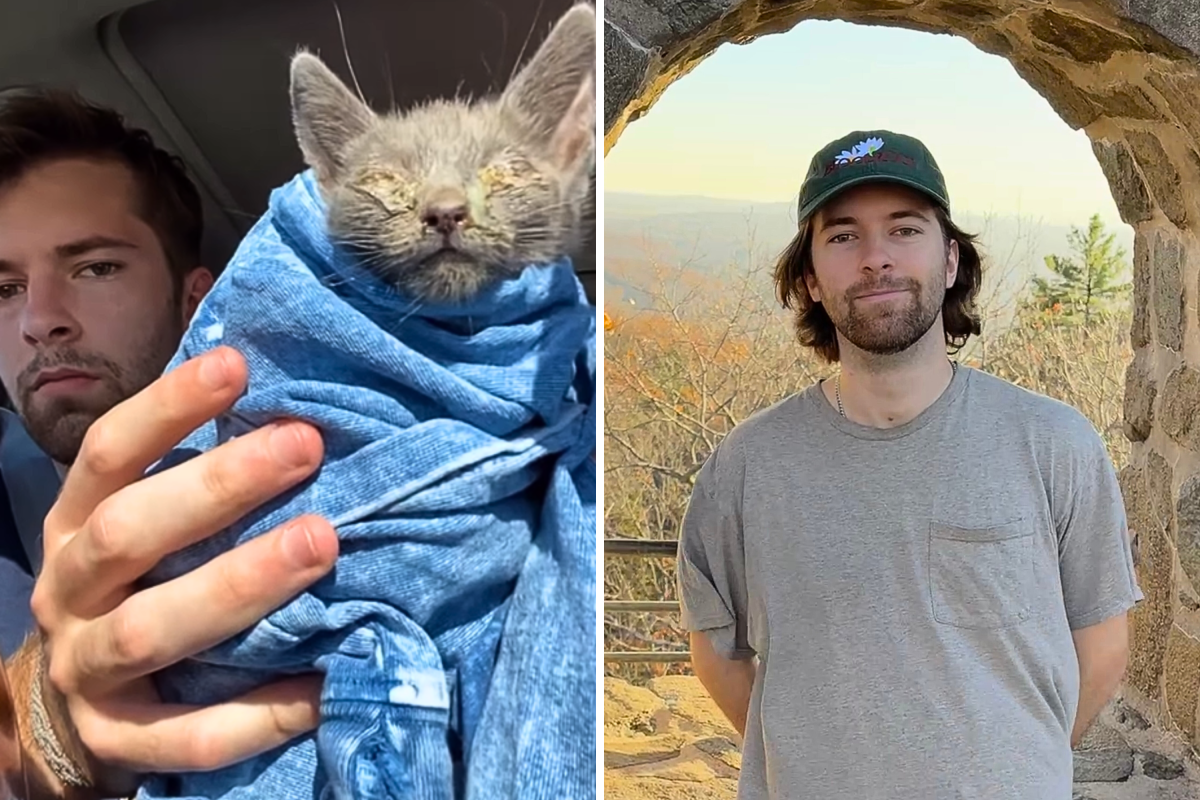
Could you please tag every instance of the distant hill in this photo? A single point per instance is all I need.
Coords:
(711, 236)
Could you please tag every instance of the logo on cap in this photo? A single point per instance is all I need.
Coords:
(865, 152)
(863, 148)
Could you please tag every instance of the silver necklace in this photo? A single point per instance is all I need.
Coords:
(837, 386)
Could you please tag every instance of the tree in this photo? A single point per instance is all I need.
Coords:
(1084, 285)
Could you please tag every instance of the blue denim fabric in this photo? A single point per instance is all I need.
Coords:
(457, 631)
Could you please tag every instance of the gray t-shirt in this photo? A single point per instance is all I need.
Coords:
(909, 593)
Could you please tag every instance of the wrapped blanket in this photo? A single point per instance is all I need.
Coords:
(457, 631)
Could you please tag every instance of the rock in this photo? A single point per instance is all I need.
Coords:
(625, 751)
(1102, 756)
(1081, 795)
(1150, 622)
(1160, 173)
(1084, 42)
(1181, 681)
(1167, 265)
(1176, 20)
(1130, 101)
(1129, 192)
(630, 710)
(1129, 717)
(624, 69)
(1160, 767)
(690, 703)
(1188, 534)
(1178, 409)
(721, 749)
(1139, 398)
(1140, 330)
(663, 23)
(1078, 111)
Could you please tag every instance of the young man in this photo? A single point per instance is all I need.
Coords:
(910, 580)
(99, 275)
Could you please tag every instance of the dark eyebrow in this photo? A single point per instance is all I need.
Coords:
(78, 248)
(82, 246)
(903, 213)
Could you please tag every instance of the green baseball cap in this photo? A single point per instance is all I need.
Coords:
(866, 157)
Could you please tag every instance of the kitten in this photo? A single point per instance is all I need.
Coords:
(449, 197)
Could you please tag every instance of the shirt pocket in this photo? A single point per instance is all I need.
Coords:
(981, 578)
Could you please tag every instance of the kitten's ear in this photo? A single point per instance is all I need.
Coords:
(555, 93)
(326, 115)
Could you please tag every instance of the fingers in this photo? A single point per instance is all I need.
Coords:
(174, 738)
(133, 530)
(160, 625)
(122, 444)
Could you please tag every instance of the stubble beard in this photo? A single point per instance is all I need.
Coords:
(889, 327)
(58, 425)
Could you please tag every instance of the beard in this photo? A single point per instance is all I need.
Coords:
(891, 326)
(58, 425)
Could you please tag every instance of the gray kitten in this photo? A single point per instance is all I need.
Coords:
(449, 197)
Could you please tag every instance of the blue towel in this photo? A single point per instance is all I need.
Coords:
(457, 632)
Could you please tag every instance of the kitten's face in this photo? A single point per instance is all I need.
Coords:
(449, 197)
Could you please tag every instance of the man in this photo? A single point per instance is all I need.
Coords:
(99, 275)
(910, 580)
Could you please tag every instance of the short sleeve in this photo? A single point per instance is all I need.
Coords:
(711, 574)
(1095, 555)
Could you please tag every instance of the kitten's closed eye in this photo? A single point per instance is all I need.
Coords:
(394, 193)
(510, 175)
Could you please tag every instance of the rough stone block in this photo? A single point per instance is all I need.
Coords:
(624, 70)
(1102, 756)
(1160, 767)
(1139, 398)
(1139, 331)
(1129, 192)
(1159, 477)
(992, 40)
(972, 12)
(1167, 268)
(1179, 407)
(1132, 480)
(1151, 620)
(1083, 41)
(1161, 175)
(1074, 106)
(1181, 668)
(1129, 101)
(663, 23)
(1175, 20)
(1187, 537)
(1180, 92)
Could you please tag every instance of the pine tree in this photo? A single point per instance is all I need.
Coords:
(1083, 285)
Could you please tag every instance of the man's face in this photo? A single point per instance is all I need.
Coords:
(88, 312)
(881, 266)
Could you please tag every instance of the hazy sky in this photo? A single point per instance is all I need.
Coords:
(746, 122)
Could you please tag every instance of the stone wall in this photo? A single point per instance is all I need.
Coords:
(1126, 72)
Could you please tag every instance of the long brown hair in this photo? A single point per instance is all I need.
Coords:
(815, 329)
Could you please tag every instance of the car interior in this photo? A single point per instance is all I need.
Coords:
(209, 78)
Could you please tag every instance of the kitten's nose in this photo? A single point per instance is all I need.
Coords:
(445, 212)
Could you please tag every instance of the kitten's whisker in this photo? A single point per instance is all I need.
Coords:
(521, 55)
(346, 52)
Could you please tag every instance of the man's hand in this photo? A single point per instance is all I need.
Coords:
(109, 527)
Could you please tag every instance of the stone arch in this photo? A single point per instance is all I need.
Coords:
(1127, 73)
